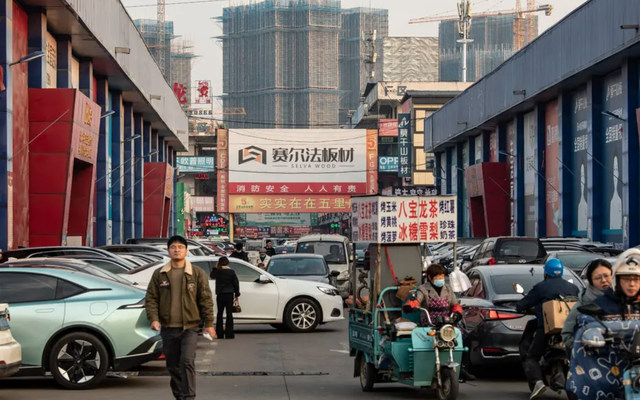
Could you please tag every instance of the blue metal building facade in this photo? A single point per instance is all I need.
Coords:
(577, 175)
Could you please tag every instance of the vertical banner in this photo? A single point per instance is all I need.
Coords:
(614, 102)
(581, 130)
(479, 149)
(493, 146)
(223, 171)
(203, 92)
(181, 93)
(530, 144)
(551, 171)
(462, 199)
(404, 145)
(511, 148)
(372, 161)
(52, 61)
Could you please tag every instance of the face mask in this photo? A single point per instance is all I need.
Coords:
(438, 283)
(262, 256)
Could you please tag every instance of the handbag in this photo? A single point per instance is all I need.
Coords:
(236, 306)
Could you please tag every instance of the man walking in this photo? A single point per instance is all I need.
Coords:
(270, 250)
(178, 299)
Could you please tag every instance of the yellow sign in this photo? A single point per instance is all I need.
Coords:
(85, 145)
(52, 61)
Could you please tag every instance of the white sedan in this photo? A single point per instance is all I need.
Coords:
(288, 304)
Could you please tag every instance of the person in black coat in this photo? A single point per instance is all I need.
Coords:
(624, 301)
(270, 250)
(239, 253)
(227, 290)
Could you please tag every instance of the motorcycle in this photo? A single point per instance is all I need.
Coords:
(554, 362)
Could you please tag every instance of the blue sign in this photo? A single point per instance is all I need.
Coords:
(404, 145)
(196, 164)
(388, 164)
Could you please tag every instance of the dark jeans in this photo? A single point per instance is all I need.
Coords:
(532, 363)
(225, 303)
(179, 348)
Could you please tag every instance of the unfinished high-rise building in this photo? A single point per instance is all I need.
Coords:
(493, 43)
(149, 30)
(361, 52)
(182, 56)
(280, 62)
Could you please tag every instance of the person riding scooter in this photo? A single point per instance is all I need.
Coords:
(551, 288)
(623, 302)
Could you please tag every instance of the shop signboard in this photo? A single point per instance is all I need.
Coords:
(404, 219)
(511, 148)
(530, 167)
(266, 203)
(388, 164)
(581, 133)
(552, 171)
(196, 164)
(203, 203)
(404, 145)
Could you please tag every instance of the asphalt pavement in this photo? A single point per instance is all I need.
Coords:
(270, 365)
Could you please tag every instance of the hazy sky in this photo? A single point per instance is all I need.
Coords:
(193, 22)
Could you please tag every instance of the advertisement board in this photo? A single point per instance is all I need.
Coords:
(388, 127)
(196, 164)
(404, 145)
(203, 96)
(581, 132)
(613, 228)
(552, 171)
(404, 219)
(223, 171)
(52, 61)
(277, 219)
(411, 191)
(298, 161)
(388, 164)
(203, 203)
(493, 146)
(372, 162)
(261, 203)
(530, 145)
(511, 148)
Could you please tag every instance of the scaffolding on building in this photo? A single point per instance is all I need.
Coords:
(182, 57)
(359, 25)
(280, 62)
(149, 30)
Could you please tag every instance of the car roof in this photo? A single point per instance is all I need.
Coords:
(499, 269)
(53, 261)
(298, 255)
(323, 238)
(89, 281)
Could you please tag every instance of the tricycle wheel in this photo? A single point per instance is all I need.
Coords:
(368, 373)
(450, 385)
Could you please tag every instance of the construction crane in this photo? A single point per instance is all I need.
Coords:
(519, 31)
(161, 36)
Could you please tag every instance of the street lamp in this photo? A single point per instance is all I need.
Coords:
(29, 57)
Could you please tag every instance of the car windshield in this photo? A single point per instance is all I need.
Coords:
(284, 249)
(158, 263)
(577, 261)
(519, 248)
(503, 283)
(297, 266)
(97, 271)
(333, 252)
(253, 245)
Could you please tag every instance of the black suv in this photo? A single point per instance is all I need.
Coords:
(507, 250)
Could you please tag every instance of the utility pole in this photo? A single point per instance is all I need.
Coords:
(464, 28)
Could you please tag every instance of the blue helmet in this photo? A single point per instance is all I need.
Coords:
(553, 267)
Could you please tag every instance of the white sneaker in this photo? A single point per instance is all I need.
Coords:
(538, 390)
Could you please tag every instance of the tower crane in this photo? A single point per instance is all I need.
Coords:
(519, 22)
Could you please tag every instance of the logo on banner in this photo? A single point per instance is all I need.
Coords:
(203, 92)
(181, 92)
(252, 153)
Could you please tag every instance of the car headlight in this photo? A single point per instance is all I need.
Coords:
(329, 291)
(448, 333)
(344, 275)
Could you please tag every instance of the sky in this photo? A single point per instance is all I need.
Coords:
(193, 21)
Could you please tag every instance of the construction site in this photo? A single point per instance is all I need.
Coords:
(491, 38)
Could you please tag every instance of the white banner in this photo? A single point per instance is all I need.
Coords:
(203, 203)
(203, 96)
(297, 156)
(279, 219)
(404, 219)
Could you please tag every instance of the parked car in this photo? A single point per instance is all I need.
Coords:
(10, 349)
(75, 325)
(338, 253)
(285, 249)
(291, 304)
(112, 265)
(58, 251)
(508, 250)
(575, 260)
(307, 267)
(495, 329)
(71, 263)
(195, 247)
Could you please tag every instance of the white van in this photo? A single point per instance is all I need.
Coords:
(336, 251)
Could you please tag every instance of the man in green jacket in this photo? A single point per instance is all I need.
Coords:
(178, 299)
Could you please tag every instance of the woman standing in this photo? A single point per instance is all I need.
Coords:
(599, 277)
(227, 290)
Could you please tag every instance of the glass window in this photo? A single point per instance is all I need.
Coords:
(68, 289)
(333, 252)
(519, 248)
(503, 284)
(103, 273)
(22, 288)
(204, 265)
(244, 273)
(297, 267)
(488, 252)
(106, 265)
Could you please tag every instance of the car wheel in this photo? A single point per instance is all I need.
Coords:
(302, 315)
(79, 361)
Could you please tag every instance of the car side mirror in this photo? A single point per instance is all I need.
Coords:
(593, 310)
(334, 274)
(264, 279)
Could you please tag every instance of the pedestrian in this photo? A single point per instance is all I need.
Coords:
(178, 299)
(270, 250)
(240, 253)
(263, 259)
(227, 291)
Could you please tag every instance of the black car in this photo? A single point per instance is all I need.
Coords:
(494, 327)
(285, 249)
(574, 260)
(507, 250)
